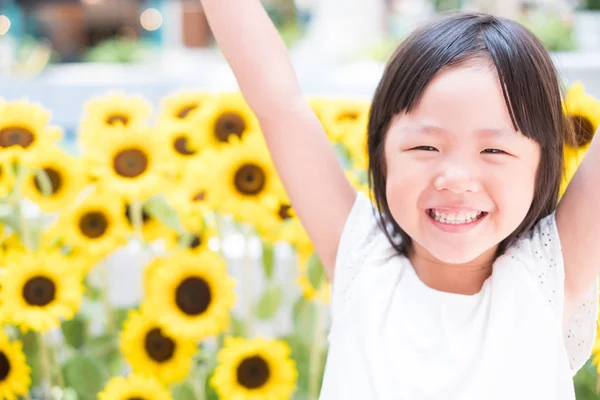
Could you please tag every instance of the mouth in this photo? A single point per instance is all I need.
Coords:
(459, 218)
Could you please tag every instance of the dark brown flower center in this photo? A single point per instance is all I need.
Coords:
(183, 113)
(117, 119)
(4, 366)
(128, 214)
(193, 296)
(200, 196)
(93, 224)
(348, 116)
(181, 146)
(39, 291)
(130, 163)
(229, 124)
(16, 136)
(250, 179)
(159, 348)
(253, 372)
(584, 130)
(284, 211)
(136, 398)
(55, 179)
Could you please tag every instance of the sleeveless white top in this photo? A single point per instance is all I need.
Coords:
(393, 337)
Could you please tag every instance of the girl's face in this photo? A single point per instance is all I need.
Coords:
(460, 179)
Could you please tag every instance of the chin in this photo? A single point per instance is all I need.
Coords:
(455, 254)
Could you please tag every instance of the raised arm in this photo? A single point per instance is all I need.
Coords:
(578, 221)
(305, 160)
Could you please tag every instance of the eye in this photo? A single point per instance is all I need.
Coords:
(425, 148)
(494, 151)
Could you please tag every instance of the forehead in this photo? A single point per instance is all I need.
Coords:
(459, 99)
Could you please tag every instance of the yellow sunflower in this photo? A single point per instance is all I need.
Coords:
(355, 140)
(359, 182)
(196, 238)
(65, 174)
(151, 352)
(247, 177)
(254, 369)
(97, 224)
(345, 116)
(135, 387)
(572, 158)
(152, 228)
(182, 105)
(226, 116)
(24, 127)
(7, 177)
(131, 163)
(182, 141)
(115, 110)
(584, 112)
(39, 289)
(14, 372)
(193, 195)
(191, 294)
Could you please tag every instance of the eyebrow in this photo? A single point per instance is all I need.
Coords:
(436, 130)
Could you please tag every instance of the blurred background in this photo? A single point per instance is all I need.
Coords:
(63, 53)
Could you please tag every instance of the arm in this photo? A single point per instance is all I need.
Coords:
(306, 162)
(578, 222)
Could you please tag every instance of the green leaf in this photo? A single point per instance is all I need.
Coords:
(315, 271)
(31, 348)
(305, 314)
(86, 375)
(268, 257)
(183, 391)
(70, 394)
(269, 302)
(120, 315)
(74, 331)
(43, 180)
(238, 328)
(159, 208)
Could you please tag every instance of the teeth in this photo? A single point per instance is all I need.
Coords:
(455, 218)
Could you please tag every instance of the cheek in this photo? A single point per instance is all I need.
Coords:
(404, 185)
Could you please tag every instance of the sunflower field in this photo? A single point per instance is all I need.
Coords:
(174, 186)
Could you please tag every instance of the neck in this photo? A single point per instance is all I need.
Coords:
(464, 279)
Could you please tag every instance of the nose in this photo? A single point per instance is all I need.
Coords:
(457, 178)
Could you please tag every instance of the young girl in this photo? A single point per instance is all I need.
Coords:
(469, 282)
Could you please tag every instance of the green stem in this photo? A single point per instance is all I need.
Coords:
(315, 354)
(58, 371)
(26, 237)
(246, 282)
(137, 219)
(108, 311)
(45, 364)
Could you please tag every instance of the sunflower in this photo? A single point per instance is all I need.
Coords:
(7, 177)
(39, 289)
(152, 352)
(131, 163)
(254, 369)
(248, 180)
(24, 127)
(105, 113)
(226, 116)
(345, 116)
(323, 293)
(183, 142)
(96, 224)
(359, 182)
(584, 112)
(14, 372)
(196, 238)
(184, 104)
(355, 140)
(152, 228)
(191, 294)
(193, 195)
(135, 387)
(572, 159)
(65, 174)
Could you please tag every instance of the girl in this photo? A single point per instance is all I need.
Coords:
(469, 282)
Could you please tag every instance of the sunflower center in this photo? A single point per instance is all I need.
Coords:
(181, 146)
(145, 216)
(159, 348)
(250, 179)
(55, 181)
(39, 291)
(284, 211)
(584, 130)
(16, 136)
(130, 163)
(253, 372)
(200, 196)
(93, 224)
(135, 398)
(4, 366)
(117, 118)
(183, 113)
(193, 296)
(229, 124)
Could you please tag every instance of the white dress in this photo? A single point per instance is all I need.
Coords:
(393, 337)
